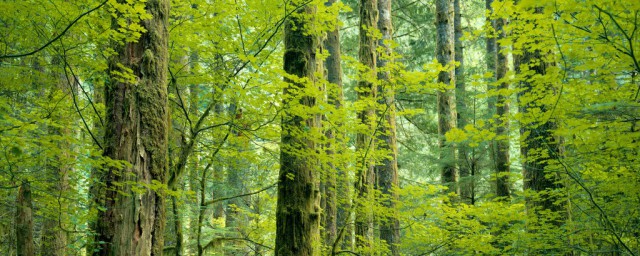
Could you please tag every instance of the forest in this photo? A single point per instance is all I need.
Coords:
(319, 127)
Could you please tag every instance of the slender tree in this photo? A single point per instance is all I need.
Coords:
(133, 219)
(446, 97)
(387, 171)
(490, 59)
(367, 92)
(503, 188)
(335, 209)
(466, 161)
(298, 213)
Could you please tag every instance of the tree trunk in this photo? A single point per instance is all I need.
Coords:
(339, 177)
(503, 187)
(538, 143)
(446, 97)
(334, 210)
(465, 159)
(298, 209)
(364, 143)
(133, 219)
(387, 171)
(24, 221)
(490, 59)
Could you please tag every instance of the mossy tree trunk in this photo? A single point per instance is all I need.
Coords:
(335, 209)
(387, 171)
(133, 219)
(24, 221)
(366, 89)
(298, 209)
(446, 97)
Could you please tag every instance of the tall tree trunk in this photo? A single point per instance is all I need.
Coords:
(446, 97)
(364, 142)
(538, 143)
(298, 209)
(503, 187)
(490, 59)
(466, 161)
(340, 204)
(387, 171)
(24, 221)
(136, 132)
(336, 179)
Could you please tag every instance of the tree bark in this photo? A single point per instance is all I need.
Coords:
(387, 171)
(24, 221)
(503, 187)
(367, 93)
(538, 143)
(446, 97)
(133, 219)
(298, 209)
(335, 210)
(466, 161)
(490, 59)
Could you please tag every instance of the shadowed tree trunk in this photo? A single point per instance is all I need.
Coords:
(387, 171)
(298, 209)
(337, 184)
(466, 161)
(538, 143)
(364, 142)
(490, 59)
(24, 221)
(446, 97)
(503, 187)
(133, 219)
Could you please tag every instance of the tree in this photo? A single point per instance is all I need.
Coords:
(365, 144)
(24, 222)
(466, 161)
(132, 221)
(298, 209)
(503, 188)
(387, 171)
(446, 97)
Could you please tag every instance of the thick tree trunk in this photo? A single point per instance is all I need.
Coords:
(503, 187)
(298, 209)
(387, 171)
(446, 97)
(538, 143)
(24, 221)
(364, 143)
(136, 133)
(466, 161)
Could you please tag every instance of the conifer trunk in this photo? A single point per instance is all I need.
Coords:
(387, 171)
(466, 162)
(24, 221)
(133, 219)
(364, 143)
(538, 143)
(446, 97)
(298, 213)
(490, 59)
(503, 187)
(336, 181)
